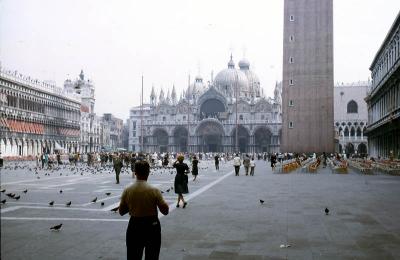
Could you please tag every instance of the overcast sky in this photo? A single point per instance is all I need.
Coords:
(114, 42)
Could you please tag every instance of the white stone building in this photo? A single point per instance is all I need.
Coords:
(351, 117)
(36, 116)
(205, 118)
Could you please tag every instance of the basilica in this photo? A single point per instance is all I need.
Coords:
(228, 114)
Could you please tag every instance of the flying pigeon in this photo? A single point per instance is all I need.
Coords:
(108, 193)
(261, 201)
(17, 197)
(57, 227)
(94, 200)
(3, 201)
(51, 203)
(25, 191)
(3, 190)
(326, 211)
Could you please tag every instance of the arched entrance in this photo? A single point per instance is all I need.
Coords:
(362, 149)
(181, 139)
(160, 138)
(209, 134)
(211, 108)
(349, 148)
(262, 140)
(243, 139)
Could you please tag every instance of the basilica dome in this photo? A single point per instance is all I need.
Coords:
(225, 81)
(252, 78)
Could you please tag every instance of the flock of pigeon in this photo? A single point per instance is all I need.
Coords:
(69, 170)
(85, 170)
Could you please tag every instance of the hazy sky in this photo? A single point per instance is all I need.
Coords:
(114, 42)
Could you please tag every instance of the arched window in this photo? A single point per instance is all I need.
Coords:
(346, 132)
(352, 107)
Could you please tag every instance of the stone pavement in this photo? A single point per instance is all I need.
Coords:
(224, 218)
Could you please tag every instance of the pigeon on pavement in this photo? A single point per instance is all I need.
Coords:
(11, 195)
(56, 227)
(115, 209)
(68, 203)
(261, 201)
(94, 200)
(51, 203)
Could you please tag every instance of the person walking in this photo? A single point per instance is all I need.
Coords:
(181, 180)
(133, 161)
(273, 161)
(246, 164)
(236, 164)
(141, 201)
(195, 169)
(216, 158)
(58, 156)
(252, 166)
(42, 160)
(117, 167)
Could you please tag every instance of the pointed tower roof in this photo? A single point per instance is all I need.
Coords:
(231, 64)
(168, 99)
(173, 95)
(162, 97)
(153, 93)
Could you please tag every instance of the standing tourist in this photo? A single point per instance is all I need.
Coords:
(42, 159)
(141, 201)
(1, 160)
(181, 180)
(133, 161)
(236, 164)
(58, 158)
(273, 161)
(246, 164)
(216, 158)
(252, 166)
(195, 169)
(117, 167)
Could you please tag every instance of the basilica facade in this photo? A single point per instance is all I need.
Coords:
(228, 114)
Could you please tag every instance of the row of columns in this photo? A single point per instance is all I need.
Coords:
(22, 147)
(195, 144)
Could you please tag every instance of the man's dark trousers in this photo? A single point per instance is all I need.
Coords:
(143, 234)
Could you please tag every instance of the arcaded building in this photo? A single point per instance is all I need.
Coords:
(384, 97)
(36, 116)
(229, 114)
(307, 80)
(351, 117)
